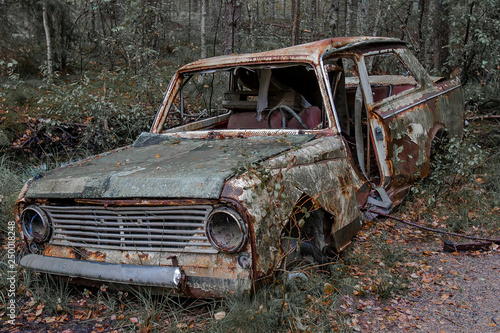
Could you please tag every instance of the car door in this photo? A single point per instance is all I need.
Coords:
(406, 110)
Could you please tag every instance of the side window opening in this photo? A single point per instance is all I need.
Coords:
(388, 76)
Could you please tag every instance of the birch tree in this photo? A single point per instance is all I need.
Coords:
(296, 22)
(47, 39)
(203, 28)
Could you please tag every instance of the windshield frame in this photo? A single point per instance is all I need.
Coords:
(179, 79)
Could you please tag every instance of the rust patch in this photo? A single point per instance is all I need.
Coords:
(231, 192)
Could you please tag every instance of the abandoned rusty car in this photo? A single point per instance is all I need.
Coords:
(250, 157)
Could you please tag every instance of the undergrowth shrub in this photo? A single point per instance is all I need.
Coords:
(294, 305)
(453, 164)
(110, 112)
(462, 192)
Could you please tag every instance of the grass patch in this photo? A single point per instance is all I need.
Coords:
(11, 182)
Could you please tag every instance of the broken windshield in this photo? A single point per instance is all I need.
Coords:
(248, 97)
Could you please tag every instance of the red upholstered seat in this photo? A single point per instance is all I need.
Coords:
(248, 120)
(379, 93)
(399, 89)
(311, 116)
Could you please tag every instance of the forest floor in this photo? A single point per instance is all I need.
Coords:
(451, 292)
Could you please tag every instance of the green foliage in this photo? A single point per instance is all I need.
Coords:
(473, 44)
(118, 113)
(8, 66)
(463, 193)
(453, 161)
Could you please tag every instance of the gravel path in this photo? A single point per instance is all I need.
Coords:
(462, 295)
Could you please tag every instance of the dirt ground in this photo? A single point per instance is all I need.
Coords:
(455, 292)
(465, 298)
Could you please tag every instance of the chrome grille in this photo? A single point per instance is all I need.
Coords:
(133, 228)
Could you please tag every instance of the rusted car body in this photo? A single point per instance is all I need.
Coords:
(249, 158)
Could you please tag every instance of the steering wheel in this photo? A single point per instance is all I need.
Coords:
(282, 109)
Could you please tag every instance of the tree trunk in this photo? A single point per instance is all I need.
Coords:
(362, 19)
(203, 28)
(441, 38)
(421, 41)
(405, 31)
(189, 21)
(377, 18)
(47, 39)
(272, 6)
(465, 62)
(334, 18)
(232, 20)
(296, 22)
(314, 12)
(250, 26)
(348, 10)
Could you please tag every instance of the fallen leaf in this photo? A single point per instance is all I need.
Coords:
(220, 315)
(328, 288)
(134, 320)
(39, 311)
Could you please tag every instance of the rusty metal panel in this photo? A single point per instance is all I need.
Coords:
(309, 52)
(206, 274)
(161, 166)
(413, 123)
(319, 169)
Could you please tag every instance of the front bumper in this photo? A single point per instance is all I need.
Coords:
(154, 276)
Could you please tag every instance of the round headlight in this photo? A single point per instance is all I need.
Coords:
(226, 230)
(35, 224)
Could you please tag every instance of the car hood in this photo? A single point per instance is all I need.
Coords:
(159, 166)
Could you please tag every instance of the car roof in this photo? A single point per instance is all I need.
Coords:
(309, 52)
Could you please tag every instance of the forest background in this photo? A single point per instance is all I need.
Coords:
(81, 77)
(90, 74)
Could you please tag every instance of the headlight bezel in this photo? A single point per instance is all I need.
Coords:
(238, 243)
(43, 218)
